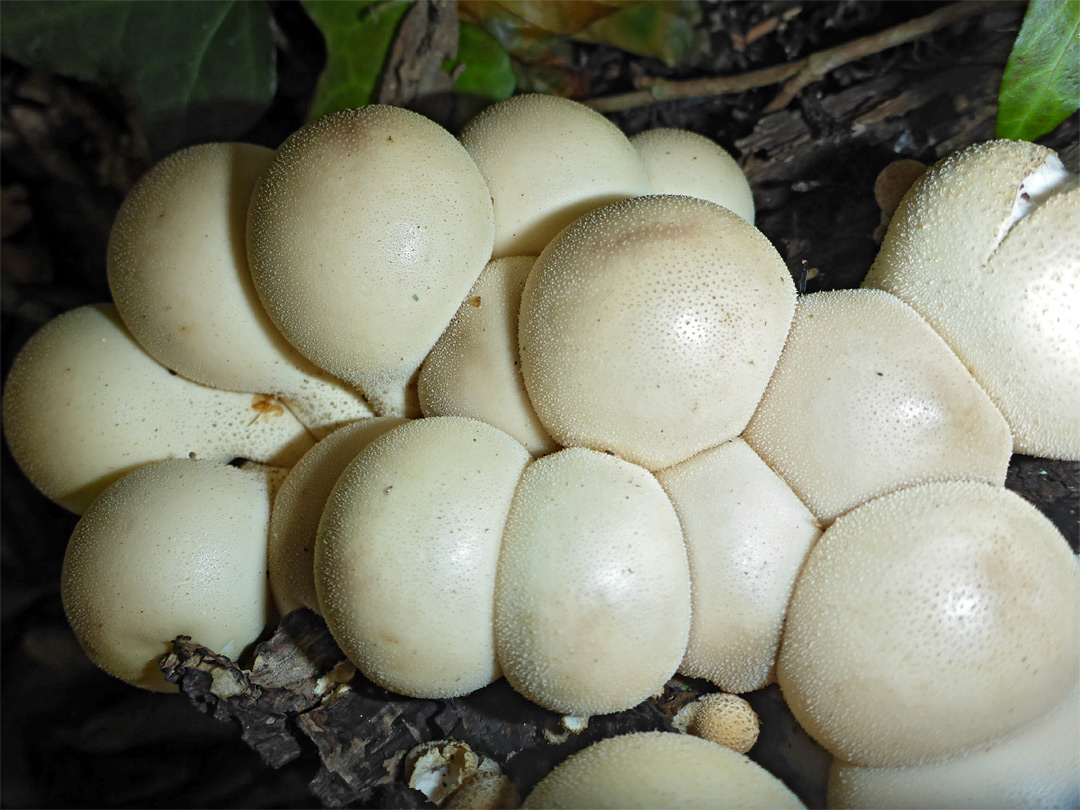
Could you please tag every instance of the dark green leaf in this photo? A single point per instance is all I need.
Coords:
(1041, 85)
(487, 71)
(358, 36)
(203, 64)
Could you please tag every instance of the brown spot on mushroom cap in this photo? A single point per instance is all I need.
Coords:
(1037, 767)
(592, 599)
(931, 621)
(178, 273)
(84, 404)
(650, 328)
(547, 161)
(362, 248)
(173, 548)
(407, 550)
(986, 248)
(682, 162)
(901, 409)
(656, 769)
(299, 505)
(747, 535)
(474, 369)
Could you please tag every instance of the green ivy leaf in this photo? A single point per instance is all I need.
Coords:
(358, 36)
(201, 69)
(1041, 85)
(487, 70)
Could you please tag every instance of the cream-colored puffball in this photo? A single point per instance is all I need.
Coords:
(1038, 767)
(474, 369)
(866, 399)
(174, 548)
(655, 769)
(178, 273)
(720, 718)
(407, 550)
(650, 328)
(592, 598)
(682, 162)
(929, 622)
(365, 234)
(986, 247)
(294, 521)
(84, 404)
(547, 161)
(747, 535)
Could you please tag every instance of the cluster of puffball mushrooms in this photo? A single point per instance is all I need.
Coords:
(640, 452)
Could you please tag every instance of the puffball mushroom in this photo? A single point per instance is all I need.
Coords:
(547, 161)
(650, 328)
(657, 769)
(474, 369)
(931, 621)
(177, 547)
(985, 246)
(897, 408)
(1038, 767)
(179, 277)
(747, 535)
(406, 554)
(364, 235)
(592, 597)
(84, 404)
(678, 161)
(294, 521)
(720, 718)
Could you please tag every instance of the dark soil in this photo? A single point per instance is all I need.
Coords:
(72, 736)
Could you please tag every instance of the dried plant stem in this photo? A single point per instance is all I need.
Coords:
(797, 74)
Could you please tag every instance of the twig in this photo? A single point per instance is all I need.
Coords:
(797, 74)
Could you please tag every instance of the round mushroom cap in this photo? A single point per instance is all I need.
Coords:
(592, 597)
(474, 369)
(678, 161)
(299, 504)
(747, 535)
(548, 160)
(720, 718)
(407, 550)
(179, 276)
(84, 404)
(1037, 767)
(931, 621)
(174, 548)
(985, 246)
(364, 236)
(866, 399)
(650, 328)
(657, 769)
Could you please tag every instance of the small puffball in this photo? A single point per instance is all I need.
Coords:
(407, 550)
(84, 404)
(650, 328)
(474, 369)
(747, 535)
(721, 718)
(173, 548)
(985, 246)
(682, 162)
(364, 235)
(484, 790)
(931, 621)
(178, 273)
(656, 769)
(1038, 767)
(592, 598)
(299, 505)
(866, 399)
(548, 160)
(893, 182)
